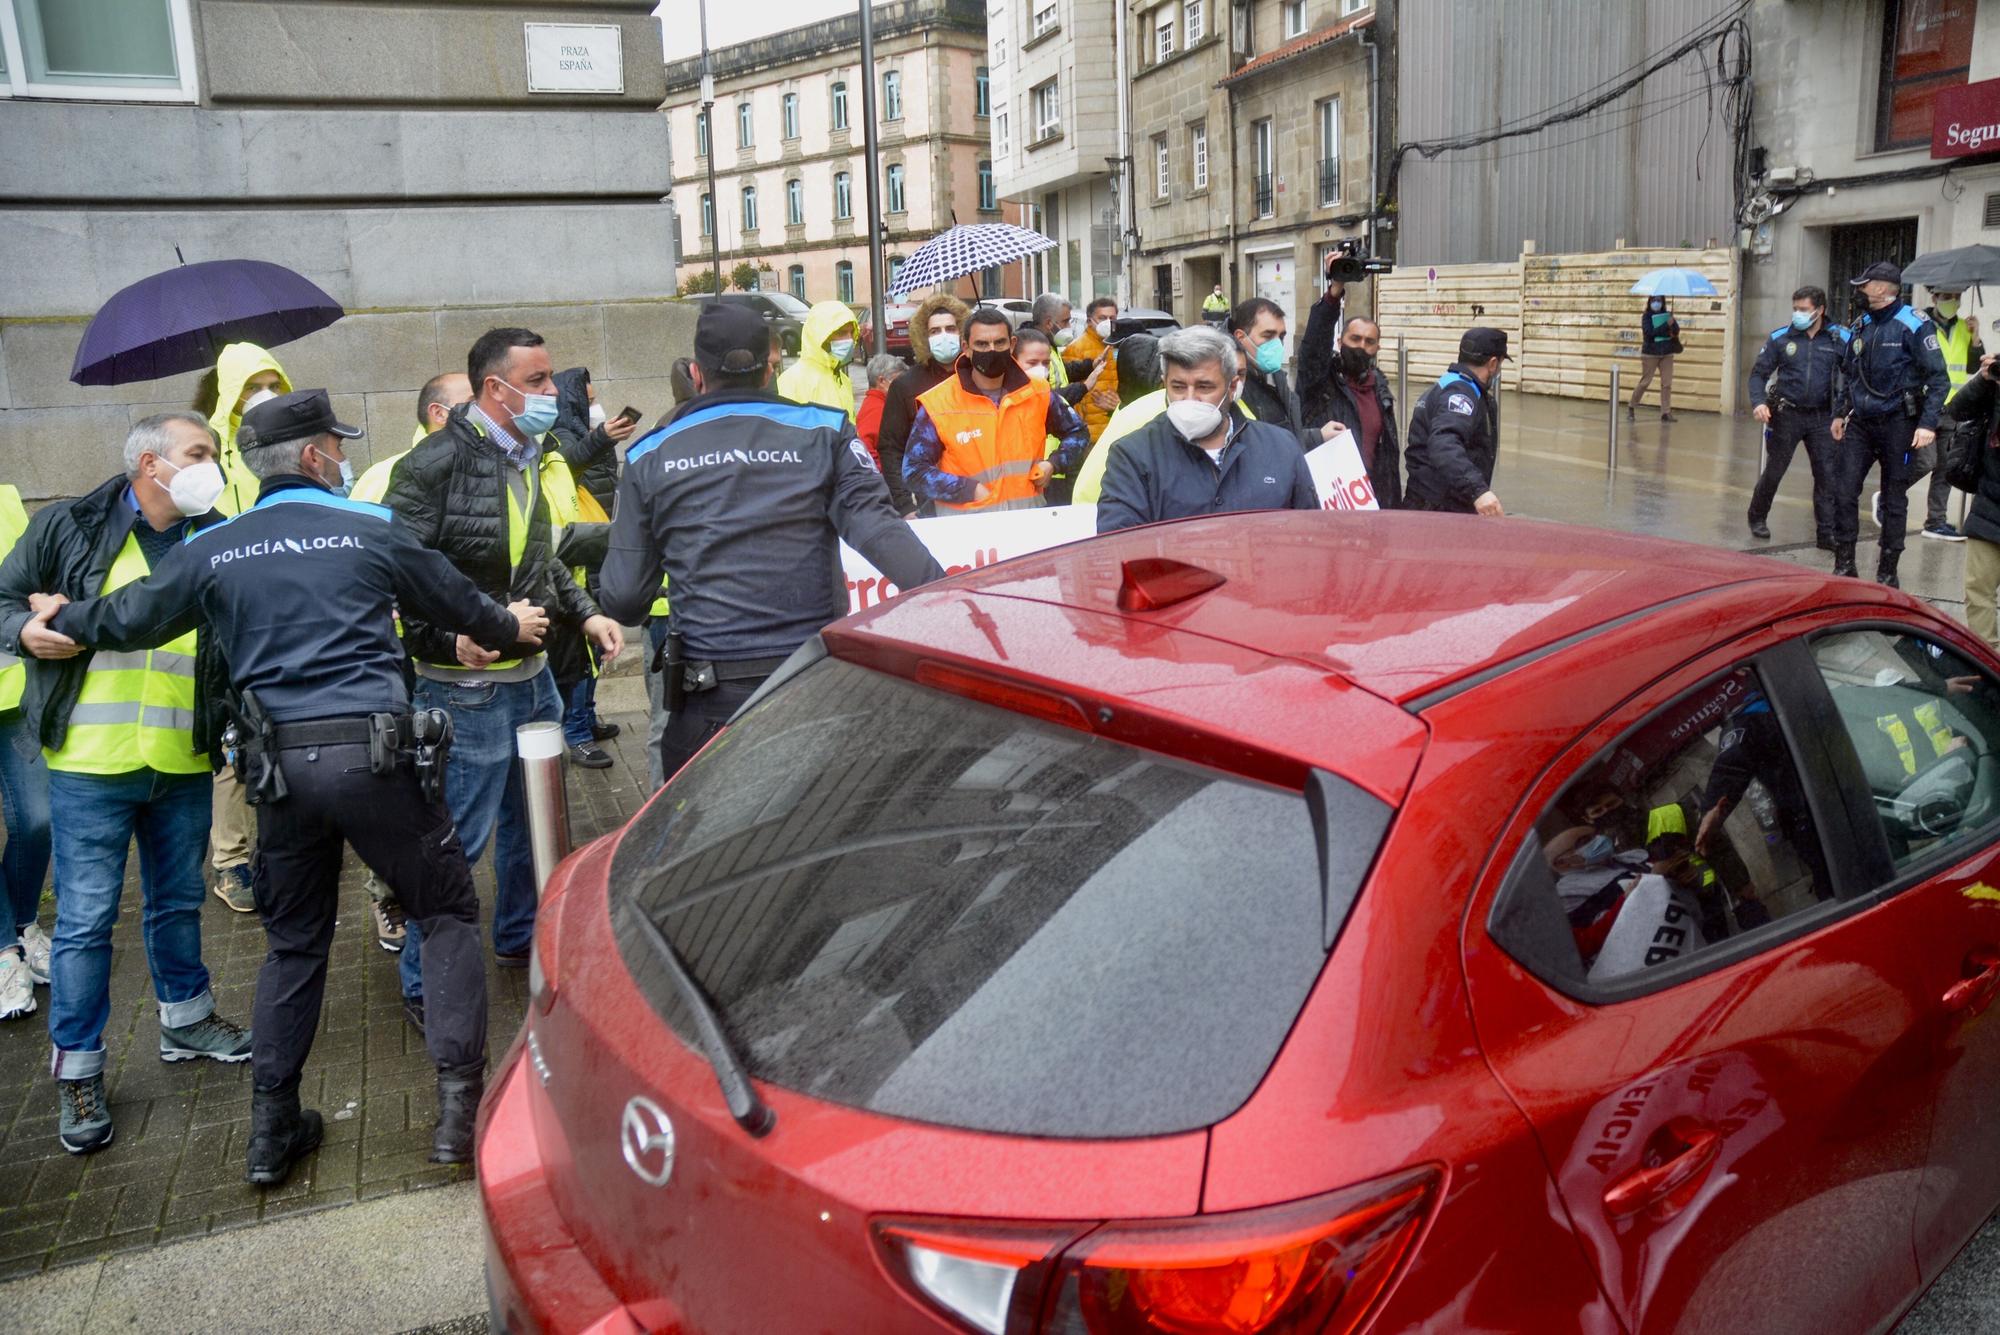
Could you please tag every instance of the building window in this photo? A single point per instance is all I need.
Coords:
(1260, 167)
(989, 281)
(749, 208)
(102, 50)
(843, 282)
(895, 192)
(1193, 20)
(1353, 6)
(795, 281)
(982, 93)
(892, 95)
(744, 138)
(999, 50)
(1045, 17)
(896, 263)
(1163, 33)
(791, 115)
(840, 106)
(1198, 147)
(988, 200)
(795, 203)
(843, 195)
(1295, 17)
(1329, 152)
(1162, 178)
(701, 134)
(707, 215)
(1000, 144)
(1048, 110)
(1926, 46)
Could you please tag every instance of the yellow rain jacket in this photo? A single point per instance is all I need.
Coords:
(239, 361)
(813, 378)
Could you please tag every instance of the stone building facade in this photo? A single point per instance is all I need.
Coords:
(1250, 143)
(396, 154)
(788, 146)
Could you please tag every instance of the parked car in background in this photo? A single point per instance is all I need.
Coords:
(1015, 309)
(897, 314)
(1286, 922)
(1143, 320)
(785, 313)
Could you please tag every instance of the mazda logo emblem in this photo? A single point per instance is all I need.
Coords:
(647, 1138)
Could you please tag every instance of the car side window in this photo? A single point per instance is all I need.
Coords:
(1690, 830)
(1924, 721)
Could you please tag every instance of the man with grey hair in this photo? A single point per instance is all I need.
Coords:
(1050, 314)
(1203, 455)
(130, 739)
(332, 753)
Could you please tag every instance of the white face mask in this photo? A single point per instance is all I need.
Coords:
(261, 396)
(597, 414)
(195, 487)
(1103, 328)
(1037, 372)
(1194, 419)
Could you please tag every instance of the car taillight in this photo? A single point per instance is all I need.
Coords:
(1317, 1265)
(1047, 706)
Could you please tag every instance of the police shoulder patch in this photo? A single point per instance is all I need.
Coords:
(1930, 343)
(860, 452)
(1791, 349)
(1460, 404)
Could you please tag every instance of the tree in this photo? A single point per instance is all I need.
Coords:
(744, 277)
(702, 280)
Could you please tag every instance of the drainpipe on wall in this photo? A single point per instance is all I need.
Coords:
(1368, 35)
(1128, 220)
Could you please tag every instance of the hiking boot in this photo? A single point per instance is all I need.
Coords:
(1944, 532)
(84, 1126)
(1759, 529)
(389, 929)
(232, 887)
(280, 1135)
(1843, 559)
(1885, 570)
(17, 986)
(603, 732)
(211, 1036)
(36, 943)
(459, 1090)
(413, 1014)
(590, 755)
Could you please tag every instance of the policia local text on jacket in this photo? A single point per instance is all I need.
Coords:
(299, 593)
(1454, 439)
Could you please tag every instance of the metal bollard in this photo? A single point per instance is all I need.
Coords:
(1611, 434)
(540, 747)
(1403, 383)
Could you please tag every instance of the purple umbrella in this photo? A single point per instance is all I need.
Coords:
(179, 320)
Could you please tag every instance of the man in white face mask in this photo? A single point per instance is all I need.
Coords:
(129, 738)
(1202, 455)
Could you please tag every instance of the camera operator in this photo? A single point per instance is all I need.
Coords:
(1319, 353)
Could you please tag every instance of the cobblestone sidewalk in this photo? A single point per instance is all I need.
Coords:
(175, 1168)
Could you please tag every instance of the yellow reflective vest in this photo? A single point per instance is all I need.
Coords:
(13, 523)
(136, 710)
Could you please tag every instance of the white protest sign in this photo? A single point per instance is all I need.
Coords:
(575, 58)
(1341, 477)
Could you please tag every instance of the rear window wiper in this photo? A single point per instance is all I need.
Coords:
(745, 1104)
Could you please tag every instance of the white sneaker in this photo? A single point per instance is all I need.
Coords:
(17, 989)
(36, 942)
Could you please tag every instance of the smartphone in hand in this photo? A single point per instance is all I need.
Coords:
(628, 414)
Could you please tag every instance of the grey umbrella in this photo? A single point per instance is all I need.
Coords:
(1955, 270)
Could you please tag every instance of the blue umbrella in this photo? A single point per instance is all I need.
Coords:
(179, 320)
(966, 249)
(1674, 283)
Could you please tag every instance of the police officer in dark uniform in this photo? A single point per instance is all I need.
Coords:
(741, 500)
(1791, 390)
(1892, 388)
(300, 591)
(1455, 432)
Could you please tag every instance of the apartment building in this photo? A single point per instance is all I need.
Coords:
(787, 148)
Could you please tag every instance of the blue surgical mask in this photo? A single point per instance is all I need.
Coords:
(538, 412)
(841, 350)
(346, 479)
(1802, 320)
(944, 347)
(1595, 849)
(1271, 356)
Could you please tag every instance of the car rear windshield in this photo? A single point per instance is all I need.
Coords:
(904, 901)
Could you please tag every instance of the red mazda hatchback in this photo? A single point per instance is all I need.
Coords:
(1285, 923)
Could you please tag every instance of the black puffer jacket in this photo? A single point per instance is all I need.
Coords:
(450, 493)
(68, 549)
(589, 450)
(1976, 409)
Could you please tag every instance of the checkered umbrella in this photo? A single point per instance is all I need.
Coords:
(964, 250)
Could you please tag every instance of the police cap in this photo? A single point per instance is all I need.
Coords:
(1880, 271)
(731, 338)
(294, 416)
(1480, 344)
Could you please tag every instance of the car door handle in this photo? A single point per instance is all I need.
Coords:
(1653, 1186)
(1973, 995)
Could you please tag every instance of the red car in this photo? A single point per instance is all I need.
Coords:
(1284, 923)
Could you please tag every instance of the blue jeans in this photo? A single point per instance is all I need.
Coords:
(24, 794)
(96, 818)
(581, 714)
(482, 789)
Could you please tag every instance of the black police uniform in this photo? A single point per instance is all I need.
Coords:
(1795, 376)
(1893, 383)
(300, 592)
(1454, 441)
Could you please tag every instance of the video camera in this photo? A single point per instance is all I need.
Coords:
(1351, 263)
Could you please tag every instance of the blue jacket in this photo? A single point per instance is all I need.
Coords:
(1893, 352)
(1157, 473)
(1454, 443)
(1799, 368)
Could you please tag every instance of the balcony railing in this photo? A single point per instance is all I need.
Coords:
(1329, 182)
(1260, 194)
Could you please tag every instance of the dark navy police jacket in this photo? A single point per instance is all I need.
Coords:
(1892, 352)
(1801, 369)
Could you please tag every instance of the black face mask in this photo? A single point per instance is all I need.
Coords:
(991, 361)
(1355, 362)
